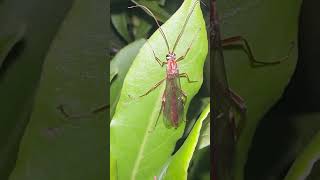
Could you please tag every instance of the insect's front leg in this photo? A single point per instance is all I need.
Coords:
(185, 75)
(163, 100)
(62, 110)
(153, 88)
(238, 101)
(232, 40)
(185, 54)
(161, 63)
(239, 104)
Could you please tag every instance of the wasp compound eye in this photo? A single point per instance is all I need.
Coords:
(167, 56)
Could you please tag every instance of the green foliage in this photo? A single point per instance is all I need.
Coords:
(154, 6)
(74, 74)
(139, 150)
(270, 27)
(72, 64)
(179, 163)
(304, 163)
(120, 64)
(9, 39)
(120, 21)
(31, 25)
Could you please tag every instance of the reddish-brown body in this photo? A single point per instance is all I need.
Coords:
(173, 98)
(172, 67)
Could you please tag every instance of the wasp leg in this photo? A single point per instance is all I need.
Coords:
(232, 40)
(185, 75)
(185, 54)
(240, 106)
(67, 115)
(153, 88)
(163, 100)
(161, 63)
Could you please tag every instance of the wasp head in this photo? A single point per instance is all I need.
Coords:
(171, 56)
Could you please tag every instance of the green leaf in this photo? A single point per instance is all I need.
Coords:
(178, 166)
(204, 139)
(160, 13)
(270, 27)
(140, 153)
(120, 22)
(201, 105)
(200, 165)
(113, 70)
(113, 169)
(19, 79)
(302, 166)
(9, 39)
(291, 133)
(141, 27)
(74, 74)
(162, 2)
(122, 61)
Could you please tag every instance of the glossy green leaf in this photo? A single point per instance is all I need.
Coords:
(113, 169)
(74, 74)
(270, 27)
(204, 139)
(140, 150)
(304, 163)
(122, 61)
(9, 39)
(178, 167)
(120, 22)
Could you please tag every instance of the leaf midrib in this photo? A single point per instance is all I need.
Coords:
(145, 139)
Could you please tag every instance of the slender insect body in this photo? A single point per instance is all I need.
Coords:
(173, 104)
(172, 69)
(173, 108)
(173, 98)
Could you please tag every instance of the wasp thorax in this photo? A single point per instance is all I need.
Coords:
(171, 56)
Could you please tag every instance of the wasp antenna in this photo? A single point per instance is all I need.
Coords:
(155, 19)
(184, 25)
(204, 4)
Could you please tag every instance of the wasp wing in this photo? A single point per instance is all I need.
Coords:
(173, 102)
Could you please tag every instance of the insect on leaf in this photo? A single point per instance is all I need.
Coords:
(140, 154)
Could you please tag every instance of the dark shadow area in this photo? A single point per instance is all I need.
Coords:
(281, 134)
(12, 57)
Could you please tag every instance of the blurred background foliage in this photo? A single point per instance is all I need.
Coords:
(292, 124)
(54, 53)
(33, 24)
